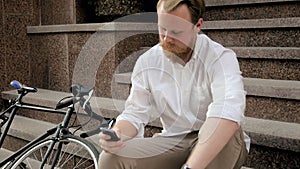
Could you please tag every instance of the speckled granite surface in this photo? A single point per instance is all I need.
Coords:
(2, 54)
(16, 48)
(257, 37)
(58, 12)
(75, 42)
(271, 158)
(47, 55)
(49, 59)
(270, 69)
(14, 43)
(118, 7)
(273, 109)
(268, 10)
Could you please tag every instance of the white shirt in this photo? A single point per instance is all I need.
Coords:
(209, 85)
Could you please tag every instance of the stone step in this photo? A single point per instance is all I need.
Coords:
(287, 89)
(251, 9)
(4, 153)
(269, 137)
(273, 32)
(212, 3)
(27, 128)
(266, 133)
(280, 63)
(272, 53)
(266, 98)
(272, 23)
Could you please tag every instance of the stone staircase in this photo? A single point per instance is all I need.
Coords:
(266, 133)
(265, 35)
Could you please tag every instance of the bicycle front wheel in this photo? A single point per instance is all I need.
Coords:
(75, 153)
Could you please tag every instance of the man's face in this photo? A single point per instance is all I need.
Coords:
(177, 33)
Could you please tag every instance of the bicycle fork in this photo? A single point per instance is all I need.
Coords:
(51, 148)
(56, 138)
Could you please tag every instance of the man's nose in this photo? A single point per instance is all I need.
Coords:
(167, 38)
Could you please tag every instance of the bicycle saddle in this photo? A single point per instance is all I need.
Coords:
(16, 84)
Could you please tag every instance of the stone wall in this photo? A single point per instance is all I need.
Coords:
(15, 16)
(54, 53)
(45, 60)
(95, 11)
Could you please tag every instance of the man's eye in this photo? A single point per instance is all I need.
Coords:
(176, 32)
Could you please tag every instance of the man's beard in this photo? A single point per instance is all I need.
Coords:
(175, 53)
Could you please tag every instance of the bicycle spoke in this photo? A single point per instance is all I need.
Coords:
(81, 162)
(75, 153)
(28, 163)
(72, 154)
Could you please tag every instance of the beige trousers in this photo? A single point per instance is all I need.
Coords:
(171, 153)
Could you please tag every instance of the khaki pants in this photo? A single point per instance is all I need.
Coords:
(171, 153)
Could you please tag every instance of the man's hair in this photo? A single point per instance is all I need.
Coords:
(196, 7)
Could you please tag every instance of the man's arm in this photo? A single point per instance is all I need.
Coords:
(213, 136)
(125, 131)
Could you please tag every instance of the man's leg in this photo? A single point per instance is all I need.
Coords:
(233, 155)
(150, 153)
(171, 153)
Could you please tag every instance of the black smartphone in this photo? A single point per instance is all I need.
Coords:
(111, 133)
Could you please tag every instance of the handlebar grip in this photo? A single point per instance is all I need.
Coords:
(90, 133)
(79, 90)
(65, 103)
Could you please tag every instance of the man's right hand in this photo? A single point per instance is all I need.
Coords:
(110, 146)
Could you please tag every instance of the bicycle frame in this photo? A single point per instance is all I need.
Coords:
(55, 130)
(54, 134)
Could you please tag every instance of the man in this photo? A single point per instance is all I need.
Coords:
(195, 87)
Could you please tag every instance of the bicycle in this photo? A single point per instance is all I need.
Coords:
(58, 147)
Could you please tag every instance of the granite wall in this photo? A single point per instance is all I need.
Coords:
(14, 43)
(16, 61)
(55, 12)
(53, 58)
(93, 11)
(15, 16)
(47, 60)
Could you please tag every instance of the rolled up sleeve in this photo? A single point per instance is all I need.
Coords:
(138, 104)
(229, 96)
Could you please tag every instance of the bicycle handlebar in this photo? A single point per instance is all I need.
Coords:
(79, 92)
(78, 96)
(65, 103)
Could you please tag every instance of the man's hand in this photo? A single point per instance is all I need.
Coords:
(124, 130)
(110, 146)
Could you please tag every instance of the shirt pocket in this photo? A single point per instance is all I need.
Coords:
(200, 98)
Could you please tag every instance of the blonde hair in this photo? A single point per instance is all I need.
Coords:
(196, 7)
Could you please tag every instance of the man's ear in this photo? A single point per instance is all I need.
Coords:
(199, 24)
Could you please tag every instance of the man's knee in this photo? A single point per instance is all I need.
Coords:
(232, 155)
(112, 161)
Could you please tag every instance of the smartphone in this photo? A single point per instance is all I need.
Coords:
(111, 133)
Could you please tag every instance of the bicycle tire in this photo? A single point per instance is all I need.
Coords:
(76, 153)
